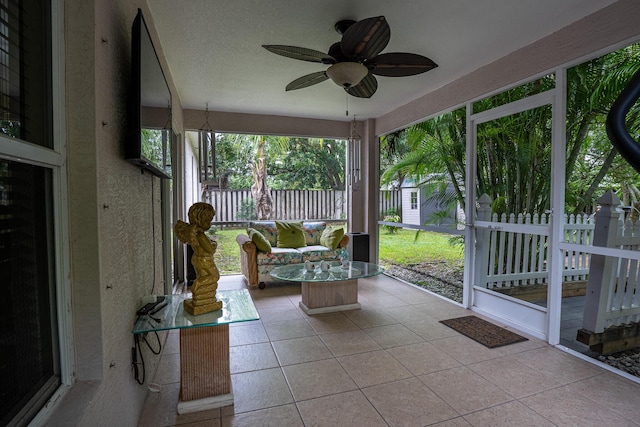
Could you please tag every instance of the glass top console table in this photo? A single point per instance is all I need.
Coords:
(205, 374)
(334, 288)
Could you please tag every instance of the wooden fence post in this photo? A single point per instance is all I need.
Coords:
(602, 269)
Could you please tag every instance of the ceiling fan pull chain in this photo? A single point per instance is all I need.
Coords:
(346, 95)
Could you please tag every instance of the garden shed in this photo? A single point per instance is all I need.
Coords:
(422, 205)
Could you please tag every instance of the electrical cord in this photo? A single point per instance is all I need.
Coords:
(136, 351)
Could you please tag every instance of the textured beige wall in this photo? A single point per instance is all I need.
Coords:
(115, 214)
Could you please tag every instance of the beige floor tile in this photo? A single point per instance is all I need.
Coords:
(430, 329)
(317, 379)
(168, 369)
(280, 416)
(367, 318)
(465, 350)
(446, 310)
(464, 390)
(376, 367)
(252, 357)
(259, 390)
(349, 342)
(345, 409)
(279, 301)
(616, 393)
(161, 409)
(416, 296)
(408, 313)
(393, 335)
(331, 322)
(290, 329)
(567, 407)
(557, 365)
(247, 334)
(509, 414)
(216, 422)
(279, 314)
(408, 403)
(513, 376)
(379, 300)
(455, 422)
(423, 358)
(172, 344)
(300, 350)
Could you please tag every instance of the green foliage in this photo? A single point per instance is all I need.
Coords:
(390, 229)
(514, 152)
(292, 163)
(247, 210)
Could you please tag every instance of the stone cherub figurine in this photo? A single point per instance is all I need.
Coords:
(207, 275)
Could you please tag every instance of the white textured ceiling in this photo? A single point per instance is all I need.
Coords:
(213, 47)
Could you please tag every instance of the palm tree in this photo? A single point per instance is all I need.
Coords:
(514, 152)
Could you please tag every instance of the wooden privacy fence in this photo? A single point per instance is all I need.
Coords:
(508, 259)
(292, 204)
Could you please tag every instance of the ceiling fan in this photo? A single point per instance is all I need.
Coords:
(355, 59)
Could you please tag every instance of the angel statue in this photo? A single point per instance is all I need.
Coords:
(207, 275)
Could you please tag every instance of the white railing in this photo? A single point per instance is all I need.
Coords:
(612, 290)
(508, 259)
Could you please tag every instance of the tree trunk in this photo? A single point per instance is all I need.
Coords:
(259, 189)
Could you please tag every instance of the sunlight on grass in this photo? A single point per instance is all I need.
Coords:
(402, 248)
(227, 256)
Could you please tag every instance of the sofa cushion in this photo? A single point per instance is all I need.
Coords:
(259, 239)
(267, 229)
(319, 253)
(280, 256)
(331, 237)
(290, 234)
(312, 231)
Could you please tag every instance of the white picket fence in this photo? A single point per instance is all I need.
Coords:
(613, 291)
(510, 259)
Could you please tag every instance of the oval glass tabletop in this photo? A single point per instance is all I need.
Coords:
(335, 271)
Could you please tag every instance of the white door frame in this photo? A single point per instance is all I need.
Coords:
(541, 322)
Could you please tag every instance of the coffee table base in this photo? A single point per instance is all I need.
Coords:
(327, 297)
(329, 309)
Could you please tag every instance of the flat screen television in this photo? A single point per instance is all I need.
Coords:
(148, 142)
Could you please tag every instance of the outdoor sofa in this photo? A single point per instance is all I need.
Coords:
(270, 244)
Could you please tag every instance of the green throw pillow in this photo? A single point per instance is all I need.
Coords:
(258, 238)
(331, 237)
(290, 234)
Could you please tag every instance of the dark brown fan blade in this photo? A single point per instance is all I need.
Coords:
(399, 64)
(365, 89)
(300, 53)
(365, 39)
(308, 80)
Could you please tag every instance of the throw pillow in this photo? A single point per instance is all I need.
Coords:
(258, 238)
(290, 234)
(331, 237)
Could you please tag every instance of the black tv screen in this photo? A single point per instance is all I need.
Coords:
(148, 143)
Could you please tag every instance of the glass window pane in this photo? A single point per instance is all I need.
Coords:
(28, 338)
(25, 71)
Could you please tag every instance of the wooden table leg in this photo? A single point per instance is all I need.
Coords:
(205, 375)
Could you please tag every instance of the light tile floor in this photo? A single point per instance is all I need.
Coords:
(390, 364)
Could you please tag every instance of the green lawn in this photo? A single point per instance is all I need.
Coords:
(399, 248)
(403, 248)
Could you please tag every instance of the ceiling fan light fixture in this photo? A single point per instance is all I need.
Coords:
(347, 74)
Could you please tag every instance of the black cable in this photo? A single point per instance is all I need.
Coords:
(136, 352)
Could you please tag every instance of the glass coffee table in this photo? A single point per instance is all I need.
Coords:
(333, 289)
